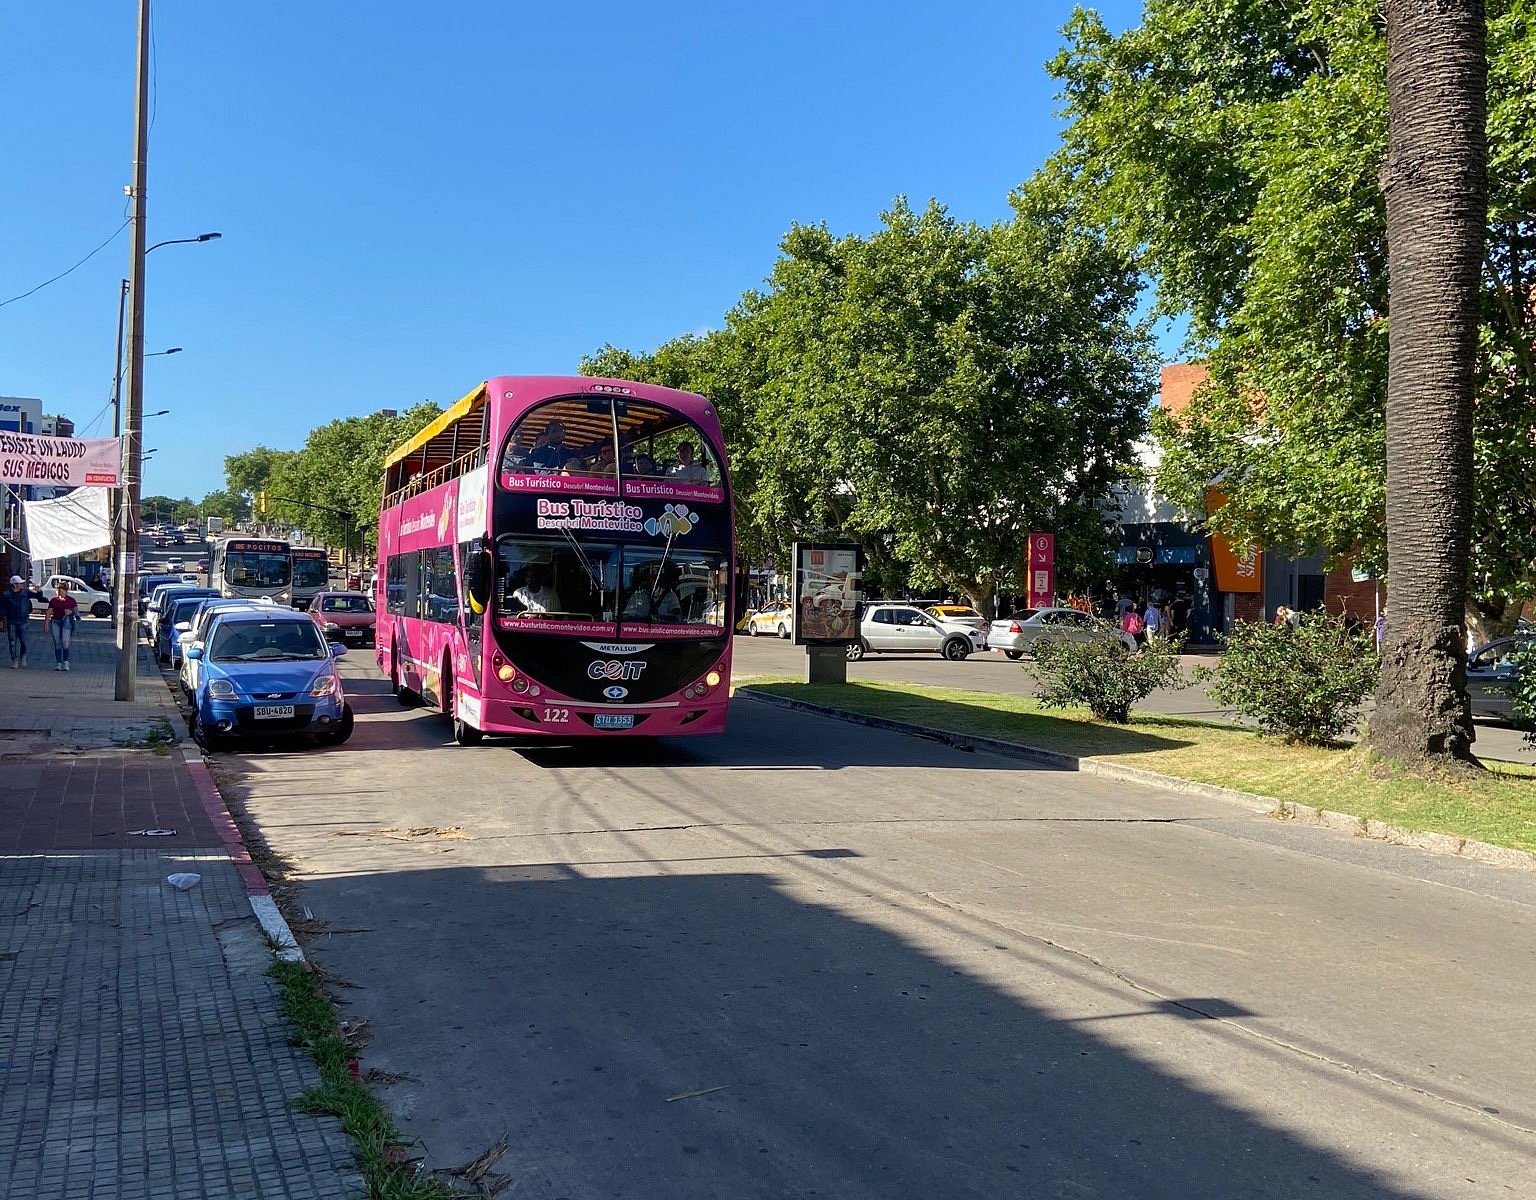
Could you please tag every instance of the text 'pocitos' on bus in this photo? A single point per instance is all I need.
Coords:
(556, 558)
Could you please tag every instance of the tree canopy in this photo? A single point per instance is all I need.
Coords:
(935, 390)
(1234, 147)
(339, 471)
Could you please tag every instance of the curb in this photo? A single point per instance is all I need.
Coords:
(285, 946)
(1434, 843)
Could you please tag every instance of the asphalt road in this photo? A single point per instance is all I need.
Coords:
(991, 672)
(809, 959)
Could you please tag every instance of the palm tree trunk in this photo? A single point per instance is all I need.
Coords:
(1436, 192)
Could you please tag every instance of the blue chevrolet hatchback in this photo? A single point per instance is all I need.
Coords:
(267, 673)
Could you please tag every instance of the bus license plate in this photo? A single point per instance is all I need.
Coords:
(268, 712)
(613, 720)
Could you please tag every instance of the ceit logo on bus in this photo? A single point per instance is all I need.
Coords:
(615, 669)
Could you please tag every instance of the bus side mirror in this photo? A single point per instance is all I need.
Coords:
(478, 578)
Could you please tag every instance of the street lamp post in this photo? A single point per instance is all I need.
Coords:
(126, 575)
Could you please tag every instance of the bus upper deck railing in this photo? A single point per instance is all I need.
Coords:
(462, 465)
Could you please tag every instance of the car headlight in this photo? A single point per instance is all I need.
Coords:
(331, 627)
(221, 689)
(324, 686)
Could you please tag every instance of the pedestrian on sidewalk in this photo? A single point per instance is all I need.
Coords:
(63, 616)
(15, 612)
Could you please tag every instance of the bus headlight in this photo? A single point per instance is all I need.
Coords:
(506, 672)
(713, 679)
(519, 684)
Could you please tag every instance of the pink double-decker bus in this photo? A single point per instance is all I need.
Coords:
(556, 559)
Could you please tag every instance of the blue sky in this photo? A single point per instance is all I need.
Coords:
(415, 197)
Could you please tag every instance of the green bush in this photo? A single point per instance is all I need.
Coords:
(1304, 682)
(1103, 676)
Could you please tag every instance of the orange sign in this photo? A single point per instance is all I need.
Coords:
(1238, 568)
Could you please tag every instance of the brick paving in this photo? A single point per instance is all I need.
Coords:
(142, 1054)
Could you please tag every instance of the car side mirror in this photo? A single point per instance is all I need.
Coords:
(194, 652)
(337, 649)
(183, 626)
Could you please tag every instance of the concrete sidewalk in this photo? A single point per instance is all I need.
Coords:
(142, 1053)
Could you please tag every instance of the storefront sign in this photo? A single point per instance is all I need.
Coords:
(28, 459)
(1238, 568)
(1041, 578)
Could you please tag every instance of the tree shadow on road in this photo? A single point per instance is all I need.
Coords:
(713, 1034)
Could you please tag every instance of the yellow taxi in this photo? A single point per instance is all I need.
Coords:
(959, 614)
(774, 618)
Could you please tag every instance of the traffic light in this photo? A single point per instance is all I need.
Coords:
(261, 503)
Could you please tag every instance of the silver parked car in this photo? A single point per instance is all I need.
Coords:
(897, 628)
(1017, 634)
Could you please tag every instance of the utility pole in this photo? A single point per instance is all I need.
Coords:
(127, 575)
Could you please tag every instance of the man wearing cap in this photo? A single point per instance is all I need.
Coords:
(16, 611)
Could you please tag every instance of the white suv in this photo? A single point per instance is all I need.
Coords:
(897, 628)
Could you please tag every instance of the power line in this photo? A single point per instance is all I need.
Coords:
(61, 274)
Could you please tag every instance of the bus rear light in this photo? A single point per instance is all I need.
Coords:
(519, 684)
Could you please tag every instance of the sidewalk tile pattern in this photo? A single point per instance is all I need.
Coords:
(141, 1050)
(94, 801)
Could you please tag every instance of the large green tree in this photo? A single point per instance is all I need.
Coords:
(935, 391)
(1236, 147)
(332, 487)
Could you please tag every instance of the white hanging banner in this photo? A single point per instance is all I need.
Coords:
(31, 458)
(67, 525)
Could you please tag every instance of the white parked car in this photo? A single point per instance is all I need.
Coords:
(1017, 635)
(905, 628)
(91, 600)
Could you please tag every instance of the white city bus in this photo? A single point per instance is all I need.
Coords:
(252, 568)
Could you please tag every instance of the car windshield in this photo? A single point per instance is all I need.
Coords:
(267, 641)
(310, 572)
(346, 604)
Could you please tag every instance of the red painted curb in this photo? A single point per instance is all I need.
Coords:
(218, 813)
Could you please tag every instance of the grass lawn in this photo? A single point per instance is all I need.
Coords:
(1499, 807)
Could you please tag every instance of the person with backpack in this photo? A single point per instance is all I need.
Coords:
(1132, 624)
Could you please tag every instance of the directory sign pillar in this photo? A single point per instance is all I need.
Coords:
(828, 589)
(1041, 581)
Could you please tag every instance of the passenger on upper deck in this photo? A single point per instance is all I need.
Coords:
(687, 470)
(551, 453)
(519, 452)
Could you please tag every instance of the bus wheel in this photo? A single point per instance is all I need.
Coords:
(403, 694)
(464, 734)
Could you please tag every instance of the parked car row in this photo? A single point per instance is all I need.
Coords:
(252, 668)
